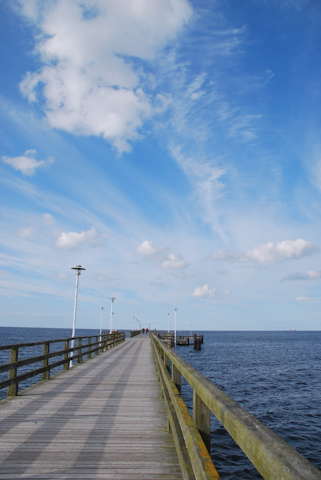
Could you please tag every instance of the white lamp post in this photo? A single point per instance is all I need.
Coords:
(77, 269)
(168, 323)
(175, 327)
(111, 315)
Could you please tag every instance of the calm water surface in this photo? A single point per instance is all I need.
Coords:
(276, 376)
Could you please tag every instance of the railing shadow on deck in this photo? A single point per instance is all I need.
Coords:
(75, 350)
(273, 458)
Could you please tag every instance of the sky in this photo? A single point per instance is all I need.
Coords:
(170, 147)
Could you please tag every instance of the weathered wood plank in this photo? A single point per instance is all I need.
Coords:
(104, 419)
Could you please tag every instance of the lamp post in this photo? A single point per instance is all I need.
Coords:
(175, 327)
(101, 322)
(111, 315)
(77, 269)
(168, 323)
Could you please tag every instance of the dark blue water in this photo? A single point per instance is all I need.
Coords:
(276, 376)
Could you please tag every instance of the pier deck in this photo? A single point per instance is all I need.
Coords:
(103, 419)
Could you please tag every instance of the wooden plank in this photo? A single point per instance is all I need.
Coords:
(104, 419)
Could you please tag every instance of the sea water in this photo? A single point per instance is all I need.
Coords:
(276, 376)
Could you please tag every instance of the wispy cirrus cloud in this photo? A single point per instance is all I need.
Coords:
(26, 163)
(271, 252)
(207, 184)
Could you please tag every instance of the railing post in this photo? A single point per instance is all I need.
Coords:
(79, 359)
(89, 348)
(96, 341)
(45, 362)
(13, 389)
(202, 419)
(167, 362)
(176, 377)
(66, 356)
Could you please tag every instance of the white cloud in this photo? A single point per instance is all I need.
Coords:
(310, 275)
(271, 252)
(314, 274)
(27, 232)
(147, 248)
(48, 219)
(227, 292)
(224, 255)
(304, 299)
(71, 240)
(173, 262)
(204, 292)
(26, 163)
(169, 261)
(90, 82)
(62, 276)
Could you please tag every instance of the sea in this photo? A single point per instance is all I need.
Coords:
(276, 376)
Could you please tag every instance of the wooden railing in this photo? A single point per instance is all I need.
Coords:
(85, 347)
(133, 333)
(270, 455)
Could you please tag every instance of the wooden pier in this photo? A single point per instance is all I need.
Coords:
(109, 416)
(103, 419)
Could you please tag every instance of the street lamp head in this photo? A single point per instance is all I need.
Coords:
(78, 269)
(112, 299)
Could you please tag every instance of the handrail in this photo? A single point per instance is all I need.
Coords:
(270, 455)
(84, 348)
(134, 333)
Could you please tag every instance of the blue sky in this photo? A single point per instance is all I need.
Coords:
(170, 147)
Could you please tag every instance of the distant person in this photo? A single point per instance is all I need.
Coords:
(143, 330)
(146, 331)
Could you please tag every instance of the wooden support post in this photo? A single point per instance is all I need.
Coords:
(177, 377)
(66, 356)
(45, 362)
(79, 359)
(89, 348)
(96, 341)
(197, 343)
(167, 362)
(13, 389)
(202, 419)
